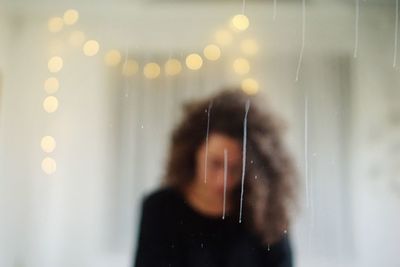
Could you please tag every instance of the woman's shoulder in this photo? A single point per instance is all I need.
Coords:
(161, 208)
(161, 198)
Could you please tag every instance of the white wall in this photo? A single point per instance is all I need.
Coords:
(375, 150)
(4, 224)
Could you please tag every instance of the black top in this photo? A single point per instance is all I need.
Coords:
(173, 234)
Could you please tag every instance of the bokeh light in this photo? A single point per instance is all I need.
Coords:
(194, 61)
(240, 22)
(250, 86)
(130, 67)
(172, 67)
(91, 48)
(223, 37)
(49, 165)
(112, 58)
(241, 66)
(50, 104)
(55, 64)
(76, 38)
(71, 16)
(151, 70)
(249, 47)
(55, 24)
(212, 52)
(48, 144)
(51, 85)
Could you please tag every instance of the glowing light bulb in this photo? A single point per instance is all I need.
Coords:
(240, 22)
(76, 38)
(172, 67)
(212, 52)
(48, 144)
(130, 67)
(55, 24)
(194, 61)
(112, 58)
(223, 37)
(49, 165)
(249, 47)
(250, 86)
(91, 48)
(151, 70)
(241, 66)
(71, 16)
(50, 104)
(55, 64)
(51, 85)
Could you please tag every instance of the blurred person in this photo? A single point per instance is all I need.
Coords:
(195, 218)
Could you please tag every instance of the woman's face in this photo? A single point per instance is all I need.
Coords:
(210, 167)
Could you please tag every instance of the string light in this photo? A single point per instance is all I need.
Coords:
(112, 58)
(250, 86)
(91, 48)
(130, 67)
(151, 70)
(71, 16)
(212, 52)
(241, 66)
(249, 47)
(48, 144)
(55, 64)
(76, 38)
(240, 22)
(50, 104)
(51, 85)
(223, 37)
(55, 24)
(194, 61)
(49, 165)
(172, 67)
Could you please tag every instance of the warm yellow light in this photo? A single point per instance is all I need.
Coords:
(212, 52)
(50, 104)
(49, 165)
(76, 38)
(91, 48)
(249, 47)
(241, 66)
(172, 67)
(223, 37)
(48, 144)
(240, 22)
(55, 64)
(250, 86)
(71, 16)
(55, 24)
(112, 58)
(194, 61)
(51, 85)
(151, 70)
(130, 67)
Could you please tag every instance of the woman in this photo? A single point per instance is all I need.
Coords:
(228, 190)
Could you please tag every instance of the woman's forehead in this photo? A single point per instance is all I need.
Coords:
(216, 148)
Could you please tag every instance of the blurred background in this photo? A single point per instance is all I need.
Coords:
(90, 90)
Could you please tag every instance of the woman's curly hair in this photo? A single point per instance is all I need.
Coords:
(270, 174)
